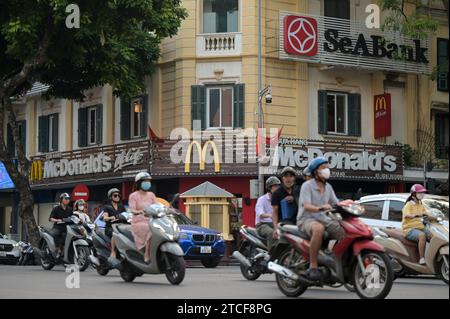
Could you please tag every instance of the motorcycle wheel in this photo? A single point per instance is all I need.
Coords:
(286, 285)
(384, 276)
(176, 269)
(127, 273)
(83, 257)
(249, 273)
(102, 271)
(442, 269)
(45, 262)
(210, 262)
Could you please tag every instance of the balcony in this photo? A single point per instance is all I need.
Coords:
(219, 44)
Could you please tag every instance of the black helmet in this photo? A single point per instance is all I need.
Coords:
(288, 170)
(112, 191)
(273, 180)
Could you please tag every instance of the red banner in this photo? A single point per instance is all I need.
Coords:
(382, 115)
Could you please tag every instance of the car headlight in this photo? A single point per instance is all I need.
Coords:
(220, 237)
(184, 236)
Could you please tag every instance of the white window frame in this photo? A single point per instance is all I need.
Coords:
(90, 109)
(132, 122)
(208, 89)
(345, 95)
(201, 20)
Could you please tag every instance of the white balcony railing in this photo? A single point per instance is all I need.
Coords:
(219, 44)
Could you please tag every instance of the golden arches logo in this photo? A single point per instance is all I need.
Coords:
(202, 155)
(380, 103)
(36, 171)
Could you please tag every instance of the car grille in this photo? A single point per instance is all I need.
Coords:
(6, 247)
(200, 238)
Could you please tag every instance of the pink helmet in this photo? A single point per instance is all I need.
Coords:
(418, 188)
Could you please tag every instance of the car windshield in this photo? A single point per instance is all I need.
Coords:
(182, 219)
(441, 205)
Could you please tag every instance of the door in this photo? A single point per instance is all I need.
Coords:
(395, 214)
(373, 215)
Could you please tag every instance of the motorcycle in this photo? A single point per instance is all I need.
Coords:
(355, 261)
(166, 253)
(102, 247)
(405, 253)
(253, 254)
(76, 248)
(26, 254)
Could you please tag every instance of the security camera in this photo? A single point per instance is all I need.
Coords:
(269, 98)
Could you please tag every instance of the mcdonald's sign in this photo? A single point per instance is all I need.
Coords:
(36, 173)
(202, 156)
(382, 115)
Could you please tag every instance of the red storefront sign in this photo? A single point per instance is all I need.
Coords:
(80, 191)
(300, 35)
(382, 115)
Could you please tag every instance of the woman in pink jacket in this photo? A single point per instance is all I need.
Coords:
(140, 199)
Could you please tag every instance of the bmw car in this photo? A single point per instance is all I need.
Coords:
(199, 243)
(9, 250)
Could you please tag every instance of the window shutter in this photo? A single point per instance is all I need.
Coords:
(99, 124)
(438, 137)
(144, 116)
(55, 132)
(198, 106)
(82, 127)
(43, 134)
(354, 115)
(23, 135)
(125, 119)
(11, 146)
(442, 80)
(323, 113)
(239, 106)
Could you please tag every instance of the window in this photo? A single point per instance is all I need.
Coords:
(442, 58)
(220, 16)
(11, 145)
(48, 133)
(374, 210)
(134, 118)
(339, 113)
(441, 135)
(220, 107)
(90, 125)
(337, 9)
(395, 210)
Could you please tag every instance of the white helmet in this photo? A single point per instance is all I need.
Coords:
(142, 176)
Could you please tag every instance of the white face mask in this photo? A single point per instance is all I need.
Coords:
(325, 173)
(80, 208)
(420, 196)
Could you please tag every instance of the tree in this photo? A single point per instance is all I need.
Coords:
(117, 43)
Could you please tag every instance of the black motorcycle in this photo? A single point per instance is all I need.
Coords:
(26, 254)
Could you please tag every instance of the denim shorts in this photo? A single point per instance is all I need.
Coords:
(414, 234)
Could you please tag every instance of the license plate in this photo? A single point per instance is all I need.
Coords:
(3, 253)
(205, 250)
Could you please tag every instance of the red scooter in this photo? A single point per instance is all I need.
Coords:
(355, 261)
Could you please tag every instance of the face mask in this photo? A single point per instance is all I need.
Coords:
(81, 208)
(145, 186)
(420, 196)
(325, 173)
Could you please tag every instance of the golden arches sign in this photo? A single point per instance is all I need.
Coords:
(202, 155)
(36, 171)
(381, 103)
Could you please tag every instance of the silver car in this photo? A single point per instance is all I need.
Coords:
(9, 250)
(385, 210)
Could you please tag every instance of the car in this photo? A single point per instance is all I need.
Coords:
(9, 250)
(199, 243)
(385, 210)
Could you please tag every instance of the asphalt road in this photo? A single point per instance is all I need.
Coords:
(200, 283)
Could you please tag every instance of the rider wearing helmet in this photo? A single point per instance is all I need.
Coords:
(138, 201)
(112, 209)
(79, 211)
(412, 225)
(285, 199)
(264, 224)
(316, 196)
(56, 216)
